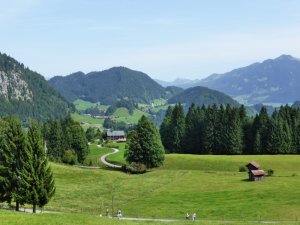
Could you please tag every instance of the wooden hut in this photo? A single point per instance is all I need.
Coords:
(254, 172)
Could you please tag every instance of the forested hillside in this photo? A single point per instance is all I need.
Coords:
(108, 86)
(202, 96)
(27, 94)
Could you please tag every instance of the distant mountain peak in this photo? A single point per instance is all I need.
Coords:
(285, 57)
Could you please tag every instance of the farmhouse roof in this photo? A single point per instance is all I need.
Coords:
(258, 172)
(253, 163)
(115, 133)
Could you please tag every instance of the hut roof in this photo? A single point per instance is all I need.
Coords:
(258, 172)
(253, 163)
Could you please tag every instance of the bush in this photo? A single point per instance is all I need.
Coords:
(270, 172)
(242, 169)
(70, 157)
(135, 168)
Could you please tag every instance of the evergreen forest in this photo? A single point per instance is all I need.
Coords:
(228, 130)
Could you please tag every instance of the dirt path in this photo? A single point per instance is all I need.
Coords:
(103, 158)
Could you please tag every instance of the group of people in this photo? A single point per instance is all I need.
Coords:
(187, 216)
(119, 213)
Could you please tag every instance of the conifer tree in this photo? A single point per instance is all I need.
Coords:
(165, 128)
(42, 186)
(18, 167)
(193, 131)
(144, 145)
(6, 165)
(177, 128)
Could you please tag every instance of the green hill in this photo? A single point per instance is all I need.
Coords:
(27, 93)
(108, 86)
(202, 96)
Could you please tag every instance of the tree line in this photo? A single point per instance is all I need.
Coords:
(25, 176)
(66, 141)
(228, 130)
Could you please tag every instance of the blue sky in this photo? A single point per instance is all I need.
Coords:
(164, 38)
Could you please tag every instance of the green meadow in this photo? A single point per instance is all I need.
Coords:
(209, 185)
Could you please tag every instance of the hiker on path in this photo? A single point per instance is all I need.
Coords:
(119, 214)
(107, 212)
(194, 216)
(187, 216)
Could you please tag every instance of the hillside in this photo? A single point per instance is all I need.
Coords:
(272, 81)
(202, 96)
(108, 86)
(27, 94)
(296, 104)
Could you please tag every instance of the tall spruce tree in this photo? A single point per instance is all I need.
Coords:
(144, 145)
(193, 134)
(6, 165)
(177, 129)
(18, 167)
(165, 128)
(42, 187)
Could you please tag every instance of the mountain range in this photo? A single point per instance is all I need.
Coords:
(27, 94)
(111, 85)
(272, 81)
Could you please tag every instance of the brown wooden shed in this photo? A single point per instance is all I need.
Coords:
(254, 172)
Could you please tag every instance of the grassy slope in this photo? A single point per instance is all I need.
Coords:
(14, 218)
(118, 158)
(83, 105)
(123, 115)
(95, 154)
(208, 185)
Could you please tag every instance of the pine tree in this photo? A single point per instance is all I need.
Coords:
(192, 142)
(165, 128)
(18, 168)
(55, 141)
(177, 128)
(42, 186)
(6, 165)
(144, 145)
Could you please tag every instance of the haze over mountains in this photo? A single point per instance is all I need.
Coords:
(272, 81)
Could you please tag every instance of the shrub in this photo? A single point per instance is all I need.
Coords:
(242, 169)
(270, 172)
(135, 168)
(70, 157)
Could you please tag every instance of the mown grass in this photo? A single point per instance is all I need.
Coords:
(210, 185)
(119, 157)
(82, 118)
(93, 158)
(83, 105)
(123, 115)
(207, 185)
(17, 218)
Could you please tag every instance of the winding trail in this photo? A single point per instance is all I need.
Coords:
(103, 158)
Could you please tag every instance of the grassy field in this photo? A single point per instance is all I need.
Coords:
(119, 157)
(123, 115)
(83, 105)
(92, 122)
(93, 159)
(209, 185)
(16, 218)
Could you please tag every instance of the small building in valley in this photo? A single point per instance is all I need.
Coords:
(115, 135)
(254, 172)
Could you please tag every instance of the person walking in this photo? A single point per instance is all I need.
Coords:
(107, 212)
(194, 216)
(187, 216)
